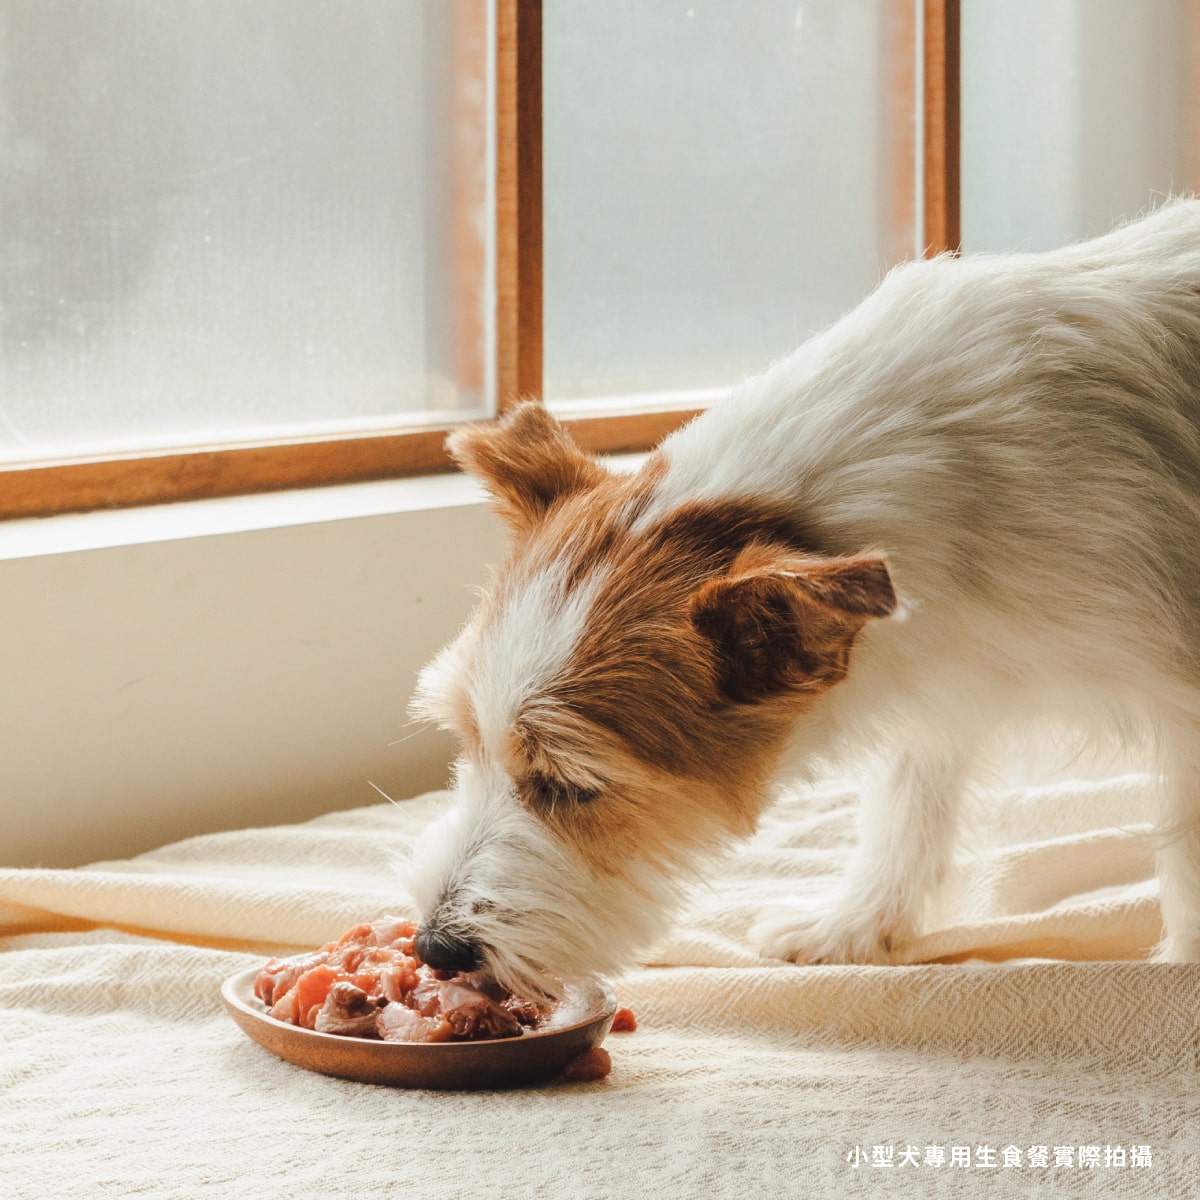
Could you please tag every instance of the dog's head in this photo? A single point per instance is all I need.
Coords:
(623, 694)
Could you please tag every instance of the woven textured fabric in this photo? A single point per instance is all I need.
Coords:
(1038, 1037)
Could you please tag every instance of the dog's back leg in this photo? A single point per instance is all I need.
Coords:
(907, 824)
(1179, 852)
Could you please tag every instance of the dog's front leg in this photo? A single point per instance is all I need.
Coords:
(907, 822)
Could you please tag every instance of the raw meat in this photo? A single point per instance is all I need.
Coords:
(370, 983)
(587, 1067)
(623, 1021)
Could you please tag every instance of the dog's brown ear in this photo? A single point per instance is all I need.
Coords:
(527, 461)
(783, 624)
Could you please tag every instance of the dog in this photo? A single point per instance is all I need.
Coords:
(973, 500)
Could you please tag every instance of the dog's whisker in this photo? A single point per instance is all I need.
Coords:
(409, 736)
(383, 793)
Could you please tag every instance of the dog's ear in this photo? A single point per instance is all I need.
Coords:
(527, 461)
(779, 623)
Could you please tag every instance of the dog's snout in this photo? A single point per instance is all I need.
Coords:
(444, 951)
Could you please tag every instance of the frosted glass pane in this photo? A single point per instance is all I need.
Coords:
(1075, 113)
(232, 217)
(722, 179)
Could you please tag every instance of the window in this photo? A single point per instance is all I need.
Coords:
(259, 225)
(239, 219)
(293, 241)
(721, 181)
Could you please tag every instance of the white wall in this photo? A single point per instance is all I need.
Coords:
(180, 670)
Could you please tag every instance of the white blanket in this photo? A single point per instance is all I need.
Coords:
(120, 1074)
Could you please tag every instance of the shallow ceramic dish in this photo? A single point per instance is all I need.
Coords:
(578, 1023)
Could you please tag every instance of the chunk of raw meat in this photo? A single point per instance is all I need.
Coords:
(371, 983)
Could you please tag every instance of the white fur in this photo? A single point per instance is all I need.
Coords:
(524, 648)
(1020, 435)
(488, 870)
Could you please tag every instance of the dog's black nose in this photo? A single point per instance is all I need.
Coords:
(444, 951)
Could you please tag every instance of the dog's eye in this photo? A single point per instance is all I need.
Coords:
(552, 792)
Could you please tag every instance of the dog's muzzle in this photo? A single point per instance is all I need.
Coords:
(445, 952)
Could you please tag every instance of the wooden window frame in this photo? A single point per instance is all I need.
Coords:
(941, 108)
(39, 488)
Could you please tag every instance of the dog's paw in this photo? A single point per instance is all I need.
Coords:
(801, 933)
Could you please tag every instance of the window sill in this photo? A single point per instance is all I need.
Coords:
(31, 537)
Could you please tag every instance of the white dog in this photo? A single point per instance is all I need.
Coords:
(973, 499)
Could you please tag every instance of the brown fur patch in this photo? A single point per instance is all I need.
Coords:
(646, 668)
(711, 630)
(782, 623)
(527, 461)
(672, 720)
